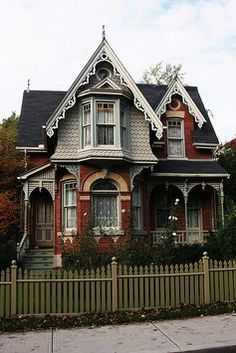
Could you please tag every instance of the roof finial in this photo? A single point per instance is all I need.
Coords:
(103, 32)
(28, 85)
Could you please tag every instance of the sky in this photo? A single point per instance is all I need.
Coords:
(50, 41)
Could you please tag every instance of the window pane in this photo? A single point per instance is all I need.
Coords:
(86, 114)
(105, 135)
(105, 113)
(193, 219)
(87, 135)
(136, 217)
(104, 185)
(174, 131)
(105, 211)
(175, 148)
(70, 198)
(70, 217)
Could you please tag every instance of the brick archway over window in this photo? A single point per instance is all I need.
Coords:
(122, 185)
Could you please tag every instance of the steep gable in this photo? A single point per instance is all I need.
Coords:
(104, 53)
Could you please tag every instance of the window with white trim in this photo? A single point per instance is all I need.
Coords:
(105, 209)
(105, 120)
(69, 205)
(86, 124)
(104, 123)
(123, 126)
(137, 207)
(175, 138)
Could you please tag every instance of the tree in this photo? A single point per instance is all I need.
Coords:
(227, 159)
(162, 75)
(11, 165)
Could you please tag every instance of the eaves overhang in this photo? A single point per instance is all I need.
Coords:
(33, 171)
(192, 175)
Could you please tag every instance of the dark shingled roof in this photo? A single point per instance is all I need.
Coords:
(154, 94)
(37, 106)
(189, 167)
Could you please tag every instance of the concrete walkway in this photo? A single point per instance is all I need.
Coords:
(161, 337)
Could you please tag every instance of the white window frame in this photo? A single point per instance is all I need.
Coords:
(65, 208)
(117, 106)
(139, 206)
(171, 138)
(114, 124)
(107, 229)
(86, 125)
(124, 126)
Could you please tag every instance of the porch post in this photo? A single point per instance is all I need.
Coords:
(222, 202)
(186, 209)
(26, 199)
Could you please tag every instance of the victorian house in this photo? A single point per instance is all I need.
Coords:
(118, 157)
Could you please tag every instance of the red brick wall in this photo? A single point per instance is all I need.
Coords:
(37, 159)
(83, 207)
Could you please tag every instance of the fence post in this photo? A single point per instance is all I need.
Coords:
(206, 278)
(13, 287)
(114, 283)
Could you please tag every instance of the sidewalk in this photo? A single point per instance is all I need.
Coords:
(159, 337)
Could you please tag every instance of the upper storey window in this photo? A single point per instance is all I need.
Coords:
(105, 123)
(86, 124)
(175, 138)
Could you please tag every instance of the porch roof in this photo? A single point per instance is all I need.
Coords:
(204, 168)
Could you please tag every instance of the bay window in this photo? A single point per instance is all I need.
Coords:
(175, 138)
(104, 123)
(69, 205)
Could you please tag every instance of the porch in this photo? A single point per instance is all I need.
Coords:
(181, 236)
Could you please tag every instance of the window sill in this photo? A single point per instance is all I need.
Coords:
(107, 232)
(69, 233)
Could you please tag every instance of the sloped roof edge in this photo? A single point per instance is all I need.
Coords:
(104, 53)
(176, 87)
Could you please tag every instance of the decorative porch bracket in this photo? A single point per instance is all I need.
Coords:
(134, 171)
(72, 169)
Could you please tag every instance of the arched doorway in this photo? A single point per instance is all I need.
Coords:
(41, 219)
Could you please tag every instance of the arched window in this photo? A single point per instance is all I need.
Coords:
(105, 205)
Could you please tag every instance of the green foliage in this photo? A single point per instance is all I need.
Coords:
(11, 165)
(227, 159)
(221, 245)
(161, 74)
(84, 254)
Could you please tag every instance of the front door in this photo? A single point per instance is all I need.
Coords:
(44, 221)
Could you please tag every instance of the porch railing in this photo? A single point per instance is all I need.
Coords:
(23, 246)
(182, 236)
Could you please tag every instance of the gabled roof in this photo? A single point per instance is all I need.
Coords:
(104, 53)
(155, 94)
(176, 87)
(36, 108)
